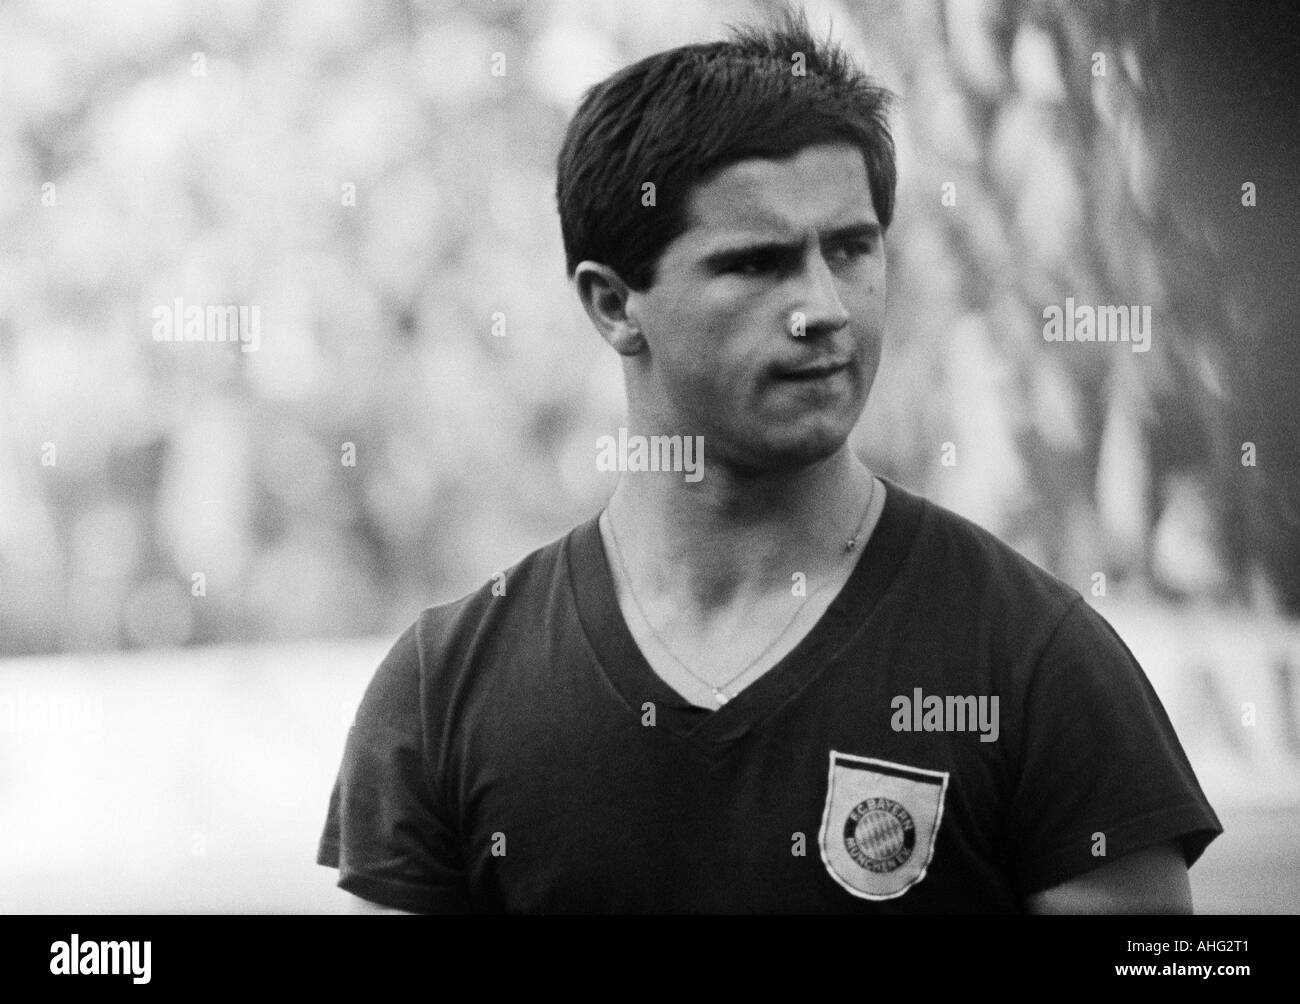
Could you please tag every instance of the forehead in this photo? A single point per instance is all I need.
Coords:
(817, 188)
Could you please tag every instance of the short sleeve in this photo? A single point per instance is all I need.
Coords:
(385, 831)
(1102, 771)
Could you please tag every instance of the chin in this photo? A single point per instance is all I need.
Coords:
(794, 451)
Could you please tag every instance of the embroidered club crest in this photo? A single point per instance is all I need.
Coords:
(879, 824)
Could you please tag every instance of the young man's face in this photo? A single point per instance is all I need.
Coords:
(767, 239)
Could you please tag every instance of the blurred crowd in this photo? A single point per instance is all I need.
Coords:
(423, 404)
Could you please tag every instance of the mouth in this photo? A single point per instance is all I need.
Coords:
(813, 371)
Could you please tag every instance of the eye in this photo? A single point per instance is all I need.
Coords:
(851, 251)
(756, 264)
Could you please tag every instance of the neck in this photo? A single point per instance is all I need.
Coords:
(737, 534)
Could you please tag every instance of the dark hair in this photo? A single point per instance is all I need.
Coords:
(678, 117)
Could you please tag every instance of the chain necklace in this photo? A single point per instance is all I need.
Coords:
(720, 690)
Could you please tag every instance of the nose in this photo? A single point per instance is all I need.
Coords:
(823, 311)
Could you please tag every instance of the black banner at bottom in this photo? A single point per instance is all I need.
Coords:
(143, 954)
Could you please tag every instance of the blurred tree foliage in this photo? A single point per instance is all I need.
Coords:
(1101, 149)
(357, 171)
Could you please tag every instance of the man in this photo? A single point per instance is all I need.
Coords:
(788, 685)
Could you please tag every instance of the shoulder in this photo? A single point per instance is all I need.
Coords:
(1048, 651)
(516, 598)
(431, 656)
(956, 552)
(976, 589)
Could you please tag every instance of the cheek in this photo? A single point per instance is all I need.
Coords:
(716, 377)
(873, 285)
(712, 338)
(868, 309)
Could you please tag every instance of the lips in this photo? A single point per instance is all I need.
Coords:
(812, 371)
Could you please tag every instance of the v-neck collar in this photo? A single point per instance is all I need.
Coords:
(625, 667)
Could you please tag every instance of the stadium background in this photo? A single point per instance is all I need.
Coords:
(161, 750)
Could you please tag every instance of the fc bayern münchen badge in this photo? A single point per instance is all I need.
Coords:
(879, 824)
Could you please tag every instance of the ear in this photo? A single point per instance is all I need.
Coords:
(605, 298)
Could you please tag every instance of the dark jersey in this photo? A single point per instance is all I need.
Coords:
(517, 753)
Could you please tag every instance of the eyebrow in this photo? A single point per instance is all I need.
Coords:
(839, 234)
